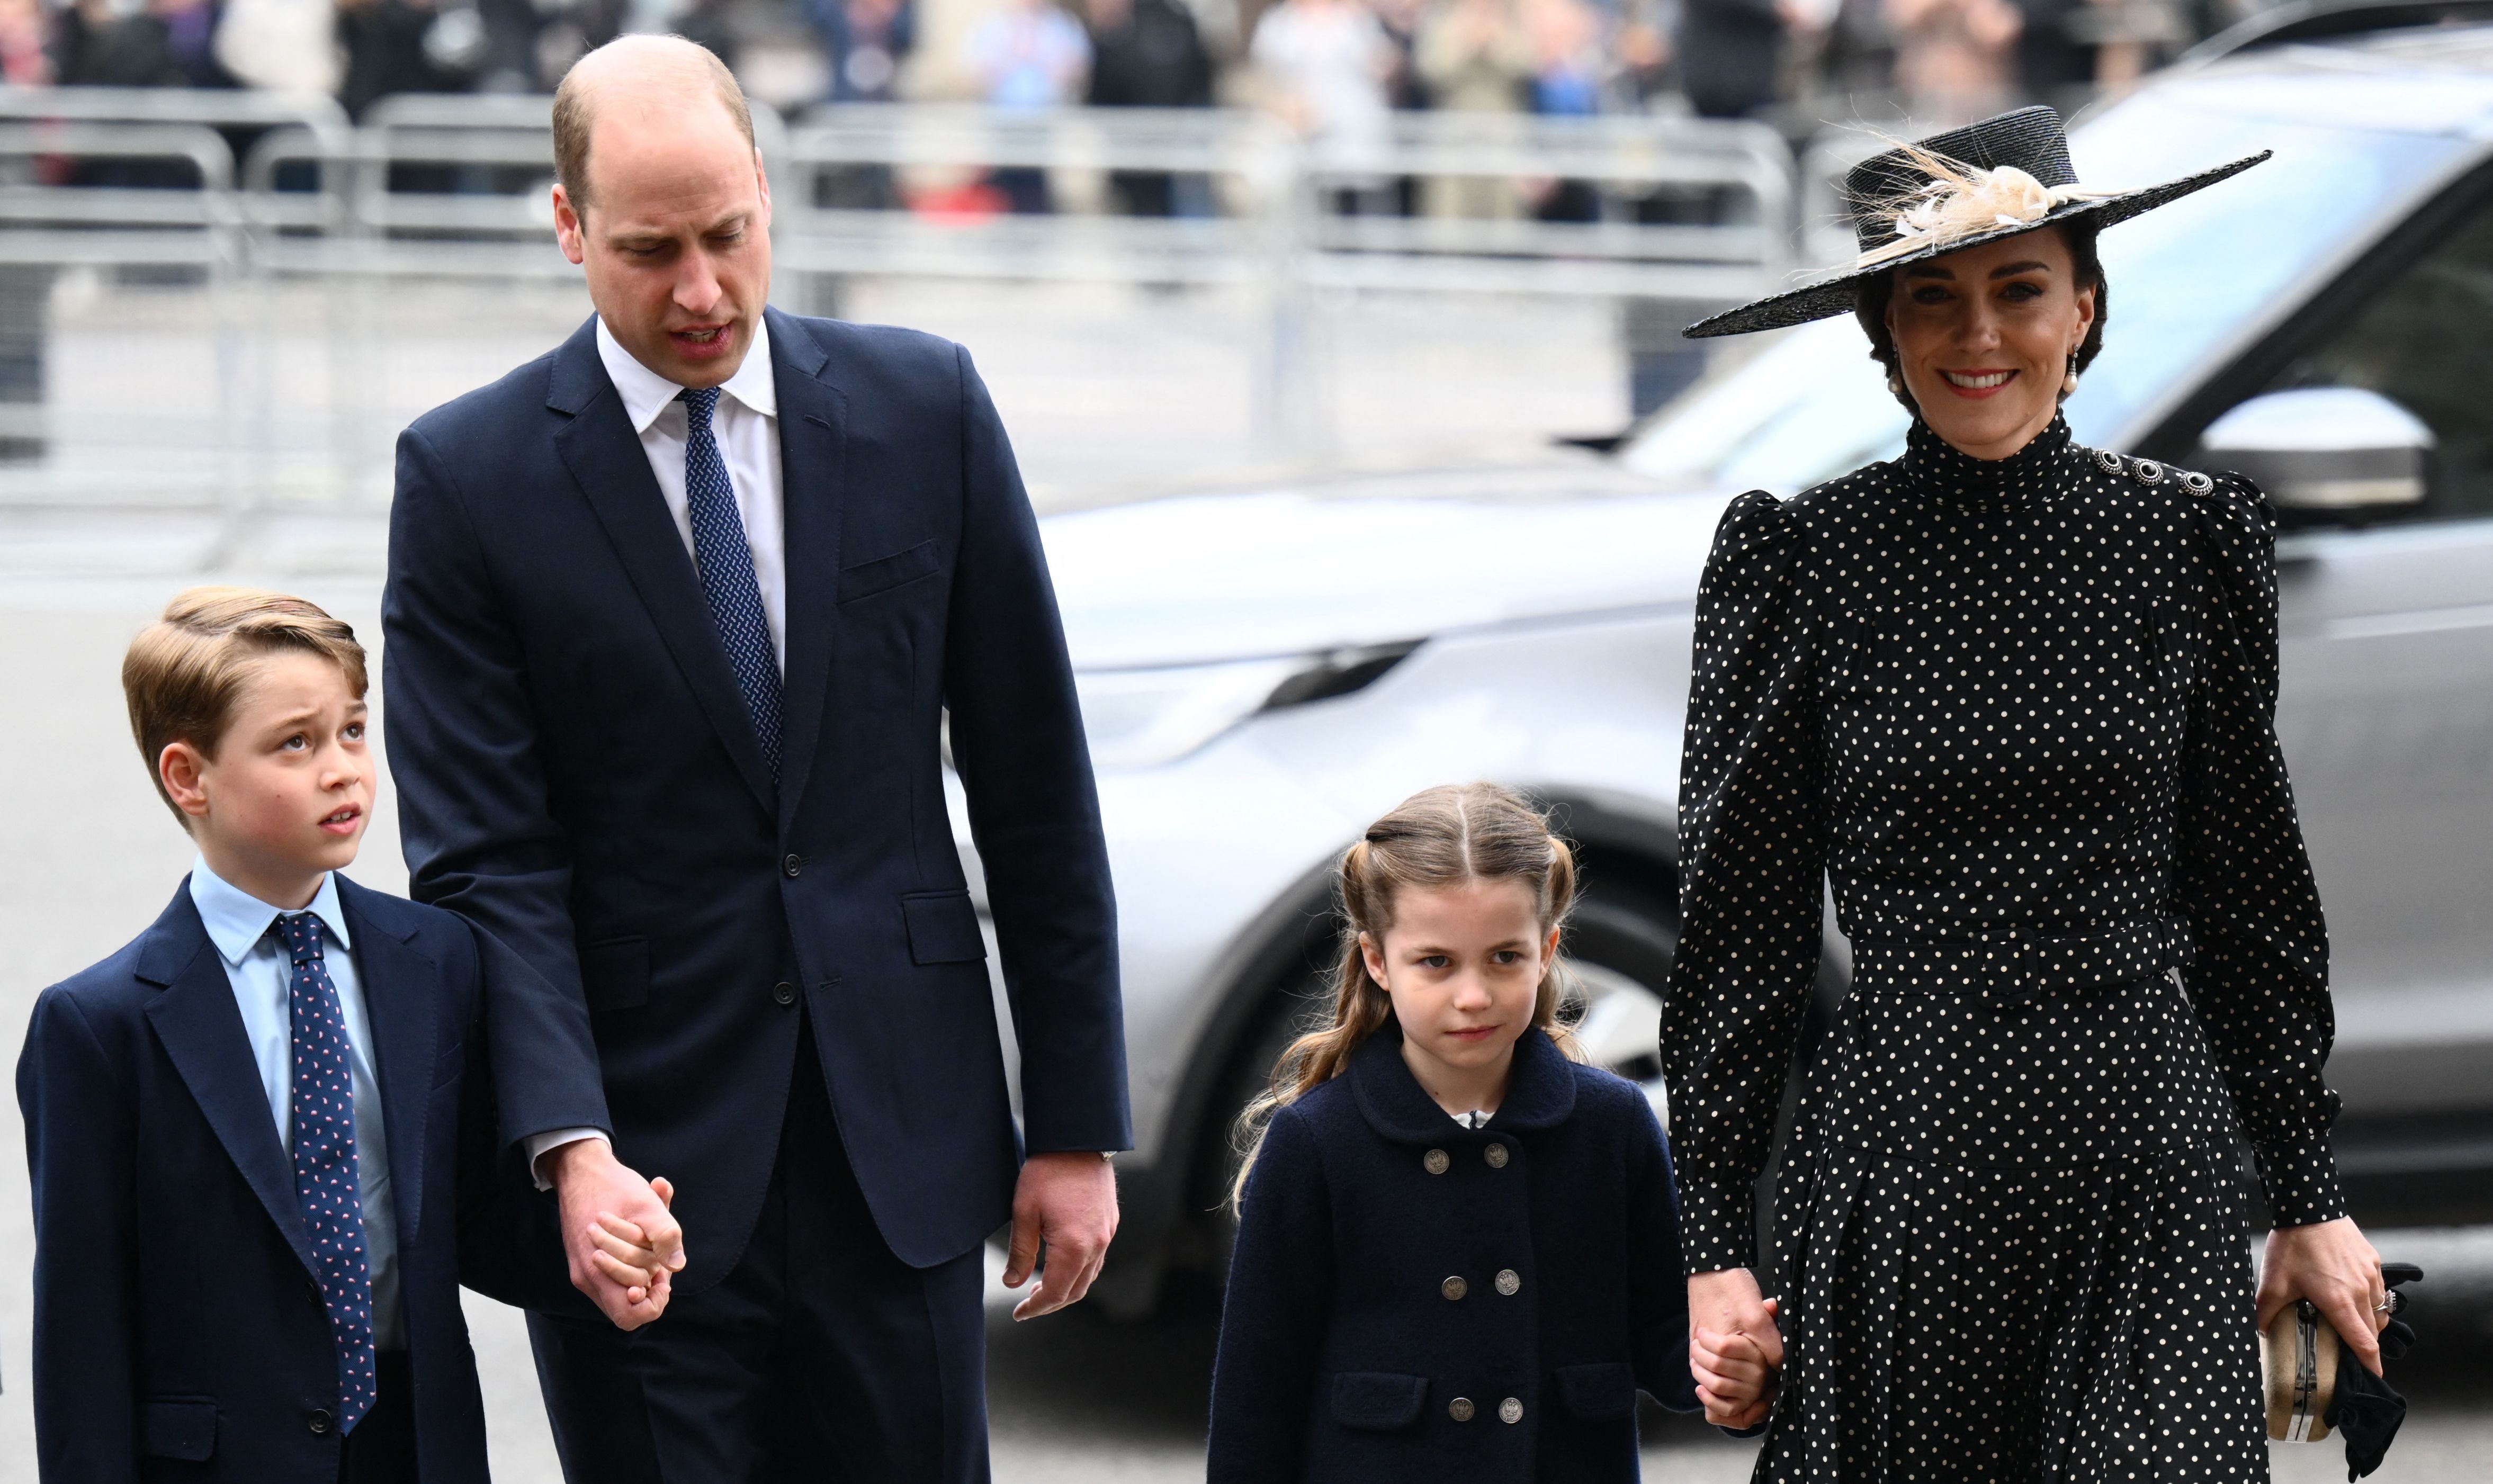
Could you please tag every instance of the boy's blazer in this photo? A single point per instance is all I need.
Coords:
(179, 1331)
(576, 773)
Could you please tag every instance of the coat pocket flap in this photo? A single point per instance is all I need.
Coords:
(1379, 1401)
(942, 928)
(614, 974)
(1601, 1392)
(868, 578)
(185, 1429)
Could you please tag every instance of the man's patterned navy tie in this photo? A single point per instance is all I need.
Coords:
(725, 563)
(325, 1174)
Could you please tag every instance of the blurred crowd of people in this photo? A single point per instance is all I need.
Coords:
(1334, 67)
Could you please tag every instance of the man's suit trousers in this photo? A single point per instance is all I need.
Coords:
(819, 1356)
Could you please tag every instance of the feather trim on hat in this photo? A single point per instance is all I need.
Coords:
(1964, 201)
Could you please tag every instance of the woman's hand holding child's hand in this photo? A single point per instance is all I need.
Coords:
(1734, 1349)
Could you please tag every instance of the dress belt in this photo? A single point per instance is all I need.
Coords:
(2008, 967)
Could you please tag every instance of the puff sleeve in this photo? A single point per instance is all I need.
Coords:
(2242, 878)
(1753, 860)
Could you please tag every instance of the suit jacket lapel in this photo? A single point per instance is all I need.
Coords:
(402, 1005)
(813, 479)
(201, 1028)
(605, 457)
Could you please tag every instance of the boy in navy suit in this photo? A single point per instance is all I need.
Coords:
(247, 1129)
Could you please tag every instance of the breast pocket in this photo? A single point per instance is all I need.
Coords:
(883, 574)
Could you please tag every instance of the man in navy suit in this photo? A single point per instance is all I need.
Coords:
(250, 1132)
(680, 618)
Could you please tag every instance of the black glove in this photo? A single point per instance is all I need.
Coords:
(2366, 1410)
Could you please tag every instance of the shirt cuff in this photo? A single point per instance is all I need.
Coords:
(2299, 1178)
(540, 1144)
(1718, 1226)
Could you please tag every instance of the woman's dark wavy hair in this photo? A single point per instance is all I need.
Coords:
(1870, 305)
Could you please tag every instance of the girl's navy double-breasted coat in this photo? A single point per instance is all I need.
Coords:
(1414, 1299)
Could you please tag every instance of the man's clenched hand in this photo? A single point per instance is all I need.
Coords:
(1068, 1202)
(623, 1244)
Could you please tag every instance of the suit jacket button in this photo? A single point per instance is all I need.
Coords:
(793, 864)
(784, 992)
(1508, 1281)
(1435, 1162)
(319, 1423)
(1495, 1154)
(1510, 1411)
(1454, 1288)
(1459, 1409)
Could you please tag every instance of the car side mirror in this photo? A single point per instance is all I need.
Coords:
(2337, 451)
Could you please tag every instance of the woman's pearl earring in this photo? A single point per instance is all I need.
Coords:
(1895, 384)
(2069, 382)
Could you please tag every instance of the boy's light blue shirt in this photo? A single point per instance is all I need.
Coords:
(262, 974)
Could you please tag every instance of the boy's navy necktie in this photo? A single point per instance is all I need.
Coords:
(326, 1178)
(725, 563)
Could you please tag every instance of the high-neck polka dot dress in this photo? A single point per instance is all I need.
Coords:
(2019, 715)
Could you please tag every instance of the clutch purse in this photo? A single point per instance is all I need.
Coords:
(2314, 1387)
(2298, 1355)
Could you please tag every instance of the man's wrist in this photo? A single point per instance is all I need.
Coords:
(552, 1154)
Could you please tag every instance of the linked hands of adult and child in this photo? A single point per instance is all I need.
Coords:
(1737, 1352)
(1734, 1349)
(625, 1246)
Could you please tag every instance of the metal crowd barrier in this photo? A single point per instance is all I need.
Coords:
(267, 195)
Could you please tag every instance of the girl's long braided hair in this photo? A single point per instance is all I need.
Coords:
(1444, 836)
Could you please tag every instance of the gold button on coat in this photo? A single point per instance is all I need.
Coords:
(1454, 1288)
(1435, 1161)
(1459, 1409)
(1508, 1281)
(1495, 1154)
(1510, 1411)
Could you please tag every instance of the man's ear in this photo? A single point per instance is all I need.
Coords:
(570, 228)
(183, 771)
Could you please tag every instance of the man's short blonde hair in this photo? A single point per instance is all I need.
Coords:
(574, 118)
(185, 672)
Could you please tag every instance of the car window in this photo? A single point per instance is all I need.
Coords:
(2424, 339)
(2182, 283)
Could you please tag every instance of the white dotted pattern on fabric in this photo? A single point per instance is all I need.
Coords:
(2020, 714)
(725, 563)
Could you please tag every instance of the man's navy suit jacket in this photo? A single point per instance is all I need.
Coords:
(577, 772)
(179, 1330)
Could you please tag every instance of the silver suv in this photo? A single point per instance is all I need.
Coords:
(1263, 674)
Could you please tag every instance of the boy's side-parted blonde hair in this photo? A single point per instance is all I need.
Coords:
(185, 672)
(1439, 836)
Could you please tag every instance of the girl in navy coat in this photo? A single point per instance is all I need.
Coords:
(1458, 1249)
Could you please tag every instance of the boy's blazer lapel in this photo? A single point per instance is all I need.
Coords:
(404, 1014)
(201, 1028)
(813, 453)
(604, 455)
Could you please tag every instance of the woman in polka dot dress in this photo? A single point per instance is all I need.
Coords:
(2013, 697)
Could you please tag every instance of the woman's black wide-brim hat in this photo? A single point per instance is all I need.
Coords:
(1881, 188)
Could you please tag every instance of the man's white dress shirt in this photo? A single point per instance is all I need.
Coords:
(262, 975)
(746, 425)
